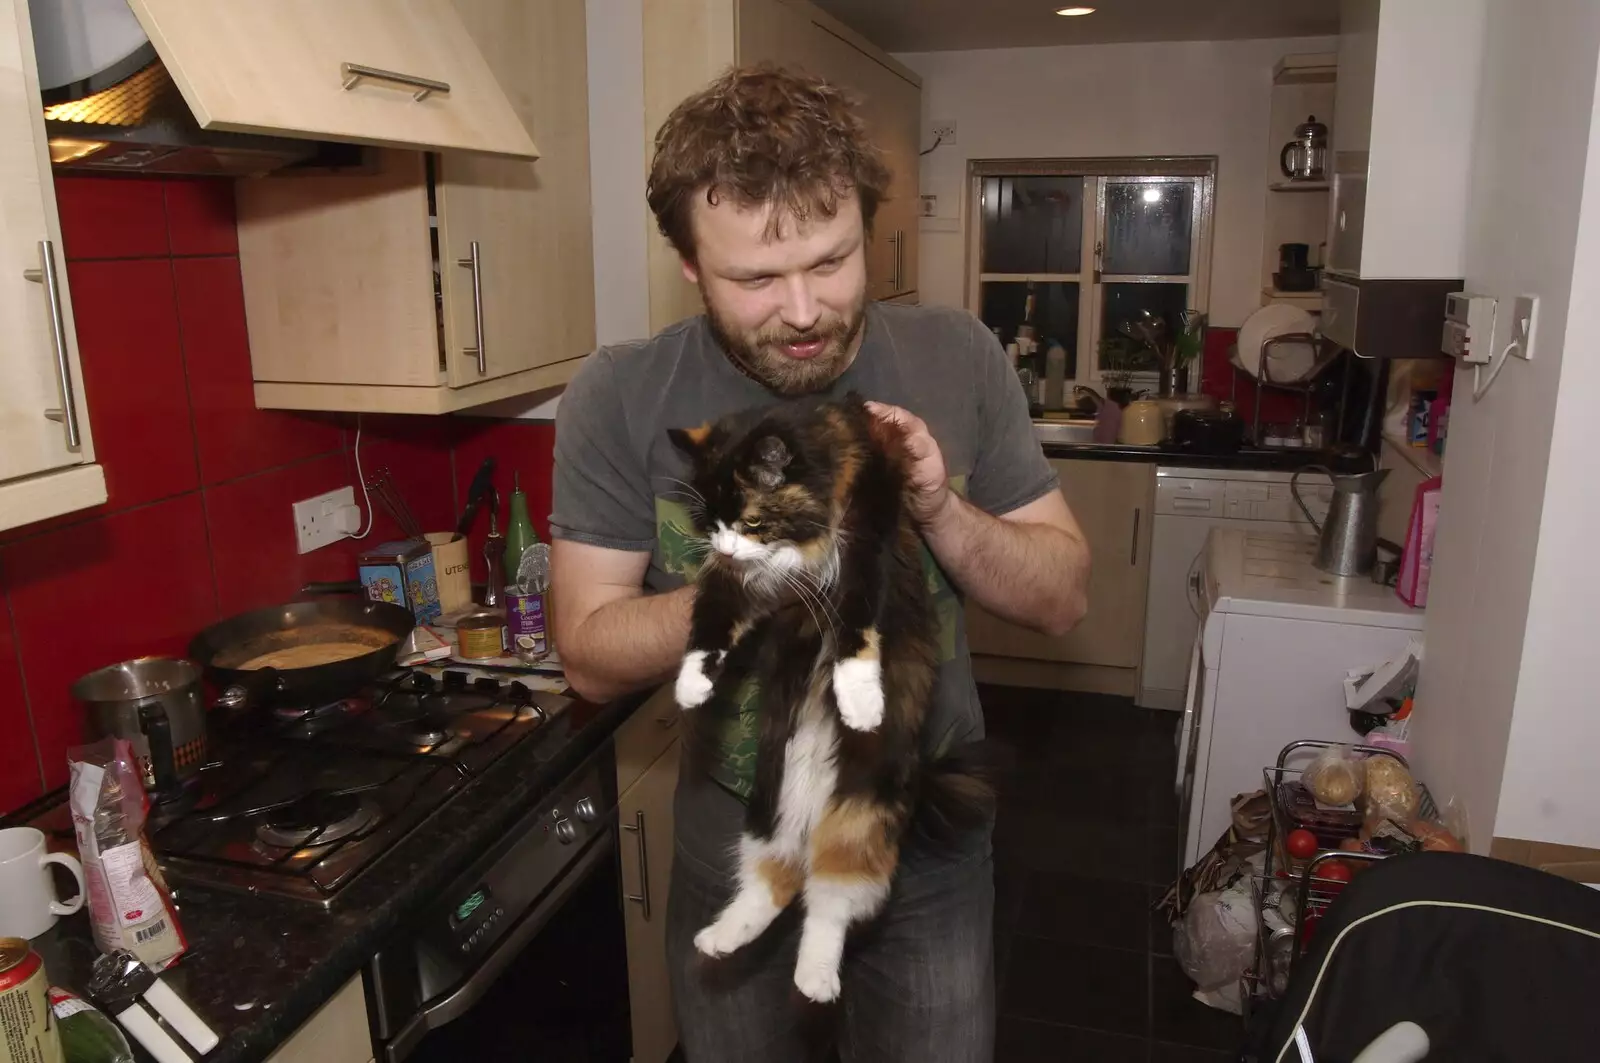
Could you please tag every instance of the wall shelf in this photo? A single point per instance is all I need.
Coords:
(1299, 186)
(1311, 301)
(1319, 68)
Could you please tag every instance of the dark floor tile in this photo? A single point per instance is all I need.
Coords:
(1179, 1018)
(1043, 840)
(1010, 889)
(1003, 942)
(1078, 985)
(1080, 911)
(1160, 926)
(1109, 793)
(1022, 1041)
(1163, 855)
(1161, 1052)
(1161, 800)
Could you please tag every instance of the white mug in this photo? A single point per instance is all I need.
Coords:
(28, 904)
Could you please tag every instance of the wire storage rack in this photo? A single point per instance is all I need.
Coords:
(1292, 895)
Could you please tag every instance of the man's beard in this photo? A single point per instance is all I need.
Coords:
(759, 354)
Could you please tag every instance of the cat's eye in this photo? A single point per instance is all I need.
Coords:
(751, 523)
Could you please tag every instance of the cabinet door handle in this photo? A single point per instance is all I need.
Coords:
(351, 75)
(642, 898)
(475, 264)
(46, 274)
(1133, 546)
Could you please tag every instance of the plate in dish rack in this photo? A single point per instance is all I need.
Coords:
(1290, 362)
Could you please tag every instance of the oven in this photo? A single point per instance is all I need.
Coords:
(525, 948)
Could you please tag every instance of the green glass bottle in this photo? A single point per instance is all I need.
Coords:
(519, 529)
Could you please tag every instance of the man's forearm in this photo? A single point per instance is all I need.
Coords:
(627, 644)
(1031, 574)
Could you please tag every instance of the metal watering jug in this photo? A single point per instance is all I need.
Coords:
(1347, 543)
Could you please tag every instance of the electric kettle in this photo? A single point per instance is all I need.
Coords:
(1142, 424)
(1305, 158)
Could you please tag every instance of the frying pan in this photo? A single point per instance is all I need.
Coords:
(223, 647)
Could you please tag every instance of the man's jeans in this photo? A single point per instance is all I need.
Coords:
(917, 981)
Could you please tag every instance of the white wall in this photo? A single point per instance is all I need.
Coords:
(1181, 98)
(1506, 720)
(620, 216)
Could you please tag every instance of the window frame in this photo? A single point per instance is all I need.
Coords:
(1098, 173)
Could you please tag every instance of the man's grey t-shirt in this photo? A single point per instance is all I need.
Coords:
(619, 485)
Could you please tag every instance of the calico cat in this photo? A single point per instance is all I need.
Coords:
(814, 585)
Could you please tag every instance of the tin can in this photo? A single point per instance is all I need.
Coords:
(27, 1029)
(525, 625)
(481, 635)
(402, 573)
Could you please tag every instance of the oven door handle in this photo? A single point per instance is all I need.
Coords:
(459, 1001)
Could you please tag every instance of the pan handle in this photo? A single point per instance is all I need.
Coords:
(347, 586)
(249, 691)
(158, 737)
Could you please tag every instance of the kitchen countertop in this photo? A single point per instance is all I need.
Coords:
(259, 966)
(1254, 458)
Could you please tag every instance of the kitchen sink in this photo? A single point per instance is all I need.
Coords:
(1064, 431)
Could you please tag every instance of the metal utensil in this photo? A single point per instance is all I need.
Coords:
(482, 486)
(382, 487)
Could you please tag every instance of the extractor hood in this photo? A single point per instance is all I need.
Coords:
(110, 105)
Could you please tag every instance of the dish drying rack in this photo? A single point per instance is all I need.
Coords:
(1325, 353)
(1282, 931)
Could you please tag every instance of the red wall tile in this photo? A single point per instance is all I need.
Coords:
(416, 451)
(253, 537)
(19, 762)
(119, 586)
(112, 217)
(234, 438)
(200, 217)
(525, 447)
(133, 378)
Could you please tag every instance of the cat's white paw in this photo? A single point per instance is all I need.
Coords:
(727, 935)
(693, 686)
(818, 982)
(858, 687)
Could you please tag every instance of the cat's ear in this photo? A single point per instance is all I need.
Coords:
(772, 457)
(772, 453)
(690, 440)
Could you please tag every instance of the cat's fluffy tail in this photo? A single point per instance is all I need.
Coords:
(956, 792)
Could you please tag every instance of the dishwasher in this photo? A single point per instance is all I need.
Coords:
(1189, 503)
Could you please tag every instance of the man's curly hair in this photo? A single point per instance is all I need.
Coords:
(762, 135)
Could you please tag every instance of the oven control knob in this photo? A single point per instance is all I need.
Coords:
(584, 810)
(566, 833)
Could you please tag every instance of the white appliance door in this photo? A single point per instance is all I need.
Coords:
(1279, 681)
(1172, 609)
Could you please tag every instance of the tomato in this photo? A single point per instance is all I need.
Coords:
(1334, 871)
(1301, 843)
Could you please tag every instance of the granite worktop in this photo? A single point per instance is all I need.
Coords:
(1274, 459)
(259, 966)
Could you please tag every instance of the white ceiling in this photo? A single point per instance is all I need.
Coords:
(947, 25)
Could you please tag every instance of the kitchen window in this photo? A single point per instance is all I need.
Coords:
(1083, 248)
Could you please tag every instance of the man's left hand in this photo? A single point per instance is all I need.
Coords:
(928, 479)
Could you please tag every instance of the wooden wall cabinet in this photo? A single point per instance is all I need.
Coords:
(46, 455)
(437, 282)
(1112, 501)
(294, 68)
(687, 43)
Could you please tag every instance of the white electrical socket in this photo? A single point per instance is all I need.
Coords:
(945, 131)
(317, 521)
(1524, 319)
(930, 205)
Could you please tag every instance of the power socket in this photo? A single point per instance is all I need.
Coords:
(1524, 319)
(320, 521)
(944, 131)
